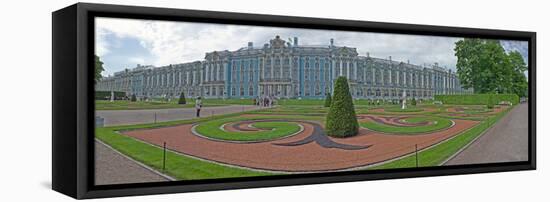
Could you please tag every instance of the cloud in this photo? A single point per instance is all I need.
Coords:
(520, 46)
(177, 42)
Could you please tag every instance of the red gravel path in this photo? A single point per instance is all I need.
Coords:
(308, 157)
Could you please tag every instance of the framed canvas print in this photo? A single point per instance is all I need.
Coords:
(155, 100)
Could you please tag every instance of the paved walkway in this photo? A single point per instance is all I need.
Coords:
(507, 141)
(125, 117)
(113, 168)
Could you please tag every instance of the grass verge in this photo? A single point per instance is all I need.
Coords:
(434, 156)
(436, 123)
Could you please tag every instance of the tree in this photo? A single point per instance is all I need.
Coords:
(98, 69)
(182, 100)
(133, 99)
(519, 81)
(413, 102)
(341, 120)
(484, 65)
(328, 100)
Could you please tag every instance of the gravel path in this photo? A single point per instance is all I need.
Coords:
(125, 117)
(113, 168)
(506, 141)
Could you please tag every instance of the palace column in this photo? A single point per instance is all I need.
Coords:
(281, 63)
(272, 67)
(341, 67)
(333, 68)
(350, 69)
(355, 70)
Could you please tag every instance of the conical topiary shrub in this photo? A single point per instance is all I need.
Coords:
(328, 100)
(182, 100)
(413, 102)
(341, 120)
(133, 99)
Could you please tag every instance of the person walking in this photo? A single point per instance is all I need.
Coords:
(198, 106)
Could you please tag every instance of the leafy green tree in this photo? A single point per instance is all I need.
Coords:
(328, 100)
(98, 69)
(182, 100)
(484, 65)
(519, 81)
(341, 120)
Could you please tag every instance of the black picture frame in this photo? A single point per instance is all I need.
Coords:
(73, 106)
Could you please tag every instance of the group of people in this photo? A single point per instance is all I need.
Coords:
(264, 101)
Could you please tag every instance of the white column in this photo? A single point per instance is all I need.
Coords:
(364, 74)
(348, 70)
(398, 79)
(382, 79)
(207, 73)
(391, 80)
(272, 67)
(355, 70)
(341, 67)
(281, 63)
(373, 75)
(290, 67)
(333, 69)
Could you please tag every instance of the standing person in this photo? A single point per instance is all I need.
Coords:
(198, 106)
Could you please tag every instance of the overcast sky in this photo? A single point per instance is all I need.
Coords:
(124, 43)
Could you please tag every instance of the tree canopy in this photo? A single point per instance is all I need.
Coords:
(98, 69)
(484, 65)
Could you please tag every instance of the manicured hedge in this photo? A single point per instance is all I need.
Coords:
(106, 95)
(477, 99)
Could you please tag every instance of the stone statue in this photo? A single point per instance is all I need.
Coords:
(404, 100)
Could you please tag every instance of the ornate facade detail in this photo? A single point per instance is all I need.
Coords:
(286, 70)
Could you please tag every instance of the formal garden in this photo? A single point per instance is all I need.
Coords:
(301, 136)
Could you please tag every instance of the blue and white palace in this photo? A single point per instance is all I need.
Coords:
(285, 70)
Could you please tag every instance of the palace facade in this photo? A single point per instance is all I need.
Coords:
(285, 69)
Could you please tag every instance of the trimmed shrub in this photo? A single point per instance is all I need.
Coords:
(133, 99)
(106, 95)
(182, 100)
(413, 102)
(490, 102)
(328, 100)
(341, 120)
(476, 99)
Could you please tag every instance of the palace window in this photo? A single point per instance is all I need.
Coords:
(316, 71)
(326, 71)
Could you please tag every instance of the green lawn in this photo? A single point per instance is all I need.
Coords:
(434, 156)
(274, 129)
(408, 109)
(186, 168)
(437, 123)
(178, 166)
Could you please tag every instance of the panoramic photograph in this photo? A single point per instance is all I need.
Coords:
(193, 101)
